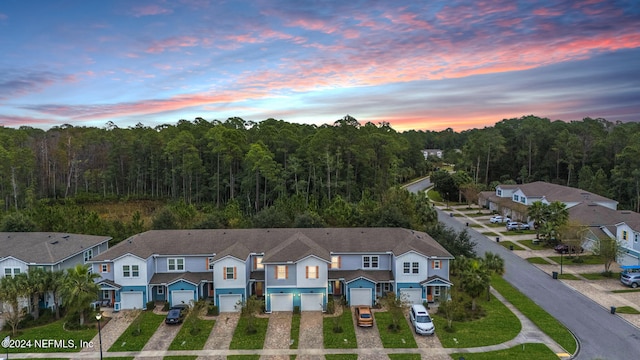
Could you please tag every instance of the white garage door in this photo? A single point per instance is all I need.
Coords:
(411, 296)
(281, 302)
(360, 297)
(311, 302)
(230, 303)
(181, 297)
(131, 300)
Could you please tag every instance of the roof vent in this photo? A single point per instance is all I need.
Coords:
(54, 242)
(65, 236)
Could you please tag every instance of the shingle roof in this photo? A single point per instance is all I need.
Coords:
(555, 192)
(45, 247)
(192, 277)
(242, 242)
(595, 215)
(350, 275)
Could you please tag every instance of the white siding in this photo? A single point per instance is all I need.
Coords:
(620, 229)
(218, 273)
(411, 257)
(118, 277)
(301, 270)
(12, 263)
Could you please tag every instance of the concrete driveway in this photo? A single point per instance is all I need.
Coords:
(368, 338)
(221, 334)
(311, 336)
(278, 334)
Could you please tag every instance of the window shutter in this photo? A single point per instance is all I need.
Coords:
(255, 263)
(306, 272)
(234, 273)
(275, 273)
(207, 267)
(433, 264)
(339, 262)
(286, 272)
(317, 271)
(108, 267)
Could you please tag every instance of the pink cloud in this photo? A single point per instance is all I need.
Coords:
(150, 10)
(3, 16)
(172, 43)
(10, 120)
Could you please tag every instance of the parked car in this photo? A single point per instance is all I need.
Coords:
(364, 316)
(630, 279)
(499, 219)
(175, 316)
(421, 320)
(514, 225)
(565, 249)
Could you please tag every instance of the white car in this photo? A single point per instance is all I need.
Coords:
(499, 219)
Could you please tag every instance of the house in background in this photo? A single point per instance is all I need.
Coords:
(22, 251)
(287, 267)
(432, 153)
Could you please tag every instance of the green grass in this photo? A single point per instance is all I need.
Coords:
(625, 291)
(128, 341)
(295, 331)
(587, 260)
(520, 352)
(404, 356)
(403, 338)
(179, 357)
(490, 234)
(507, 244)
(538, 261)
(531, 245)
(341, 357)
(242, 340)
(567, 276)
(627, 310)
(519, 232)
(53, 331)
(495, 225)
(547, 323)
(434, 195)
(243, 357)
(595, 276)
(337, 340)
(499, 325)
(185, 340)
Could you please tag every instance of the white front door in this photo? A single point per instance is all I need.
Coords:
(311, 302)
(281, 302)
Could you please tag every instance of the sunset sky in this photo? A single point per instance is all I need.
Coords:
(416, 64)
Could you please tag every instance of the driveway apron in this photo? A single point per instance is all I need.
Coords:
(163, 337)
(311, 336)
(368, 338)
(111, 331)
(221, 334)
(278, 334)
(429, 344)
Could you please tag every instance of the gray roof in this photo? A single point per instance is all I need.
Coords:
(46, 248)
(286, 244)
(192, 277)
(591, 214)
(350, 275)
(555, 192)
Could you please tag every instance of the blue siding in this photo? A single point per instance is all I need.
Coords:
(353, 262)
(134, 288)
(270, 275)
(361, 284)
(296, 295)
(181, 285)
(229, 291)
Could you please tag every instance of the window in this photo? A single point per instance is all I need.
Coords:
(523, 200)
(282, 272)
(88, 255)
(370, 262)
(104, 268)
(160, 290)
(411, 268)
(515, 197)
(106, 294)
(175, 264)
(436, 291)
(335, 262)
(312, 272)
(624, 235)
(126, 271)
(135, 270)
(210, 263)
(257, 263)
(11, 272)
(230, 273)
(406, 269)
(415, 268)
(635, 239)
(435, 264)
(499, 192)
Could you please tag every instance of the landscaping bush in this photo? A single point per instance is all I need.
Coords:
(296, 309)
(213, 310)
(331, 306)
(151, 305)
(165, 307)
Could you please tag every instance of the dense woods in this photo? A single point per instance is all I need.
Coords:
(237, 173)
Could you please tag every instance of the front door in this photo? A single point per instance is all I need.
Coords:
(337, 289)
(429, 294)
(259, 290)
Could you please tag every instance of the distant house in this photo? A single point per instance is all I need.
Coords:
(597, 212)
(23, 251)
(287, 267)
(432, 152)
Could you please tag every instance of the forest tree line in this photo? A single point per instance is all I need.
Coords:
(237, 173)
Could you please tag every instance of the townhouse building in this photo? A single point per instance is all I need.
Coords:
(286, 267)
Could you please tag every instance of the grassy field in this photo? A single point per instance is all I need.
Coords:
(342, 340)
(520, 352)
(533, 246)
(586, 260)
(547, 323)
(242, 340)
(508, 244)
(403, 338)
(627, 310)
(30, 340)
(538, 260)
(131, 340)
(192, 340)
(341, 356)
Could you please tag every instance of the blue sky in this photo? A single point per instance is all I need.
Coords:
(415, 64)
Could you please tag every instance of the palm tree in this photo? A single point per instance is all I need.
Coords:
(35, 286)
(474, 280)
(79, 290)
(494, 264)
(538, 212)
(10, 293)
(55, 284)
(558, 213)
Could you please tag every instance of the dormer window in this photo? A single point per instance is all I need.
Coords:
(88, 255)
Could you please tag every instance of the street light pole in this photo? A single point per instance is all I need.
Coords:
(561, 257)
(98, 317)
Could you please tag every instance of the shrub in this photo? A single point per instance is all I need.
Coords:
(331, 306)
(165, 306)
(296, 309)
(213, 310)
(151, 305)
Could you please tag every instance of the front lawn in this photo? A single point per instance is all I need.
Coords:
(402, 338)
(31, 339)
(341, 356)
(339, 340)
(547, 323)
(533, 245)
(508, 244)
(404, 356)
(499, 325)
(243, 340)
(243, 357)
(596, 276)
(533, 351)
(190, 339)
(625, 291)
(179, 357)
(538, 261)
(295, 330)
(567, 276)
(627, 310)
(578, 260)
(138, 333)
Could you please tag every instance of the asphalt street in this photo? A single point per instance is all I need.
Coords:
(600, 334)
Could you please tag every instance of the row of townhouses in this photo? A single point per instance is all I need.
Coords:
(285, 267)
(598, 213)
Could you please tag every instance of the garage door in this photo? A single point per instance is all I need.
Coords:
(181, 297)
(230, 303)
(411, 296)
(281, 302)
(131, 300)
(360, 297)
(311, 302)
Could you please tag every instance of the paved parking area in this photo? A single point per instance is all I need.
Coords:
(368, 338)
(221, 334)
(311, 336)
(278, 334)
